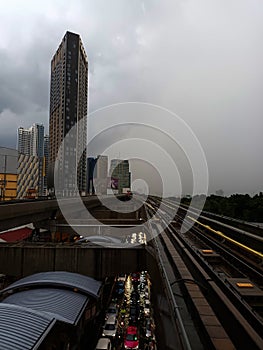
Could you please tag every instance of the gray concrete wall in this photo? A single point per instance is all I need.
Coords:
(22, 260)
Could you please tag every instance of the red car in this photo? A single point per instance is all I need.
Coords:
(131, 339)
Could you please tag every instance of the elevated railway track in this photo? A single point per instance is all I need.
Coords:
(226, 275)
(211, 273)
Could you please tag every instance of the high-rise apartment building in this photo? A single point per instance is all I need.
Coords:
(31, 141)
(119, 170)
(24, 141)
(68, 109)
(37, 143)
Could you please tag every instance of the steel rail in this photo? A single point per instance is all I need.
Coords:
(254, 252)
(175, 305)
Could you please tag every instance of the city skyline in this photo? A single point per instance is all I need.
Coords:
(201, 62)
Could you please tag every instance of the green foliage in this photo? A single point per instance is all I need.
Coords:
(238, 206)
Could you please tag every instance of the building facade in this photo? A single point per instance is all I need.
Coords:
(37, 143)
(24, 141)
(8, 173)
(91, 163)
(31, 144)
(68, 113)
(28, 176)
(45, 164)
(120, 170)
(19, 175)
(101, 175)
(31, 141)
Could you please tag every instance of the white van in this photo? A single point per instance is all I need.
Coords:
(103, 344)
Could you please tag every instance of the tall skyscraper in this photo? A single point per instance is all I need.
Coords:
(68, 106)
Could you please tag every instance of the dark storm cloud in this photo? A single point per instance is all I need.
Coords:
(21, 85)
(200, 59)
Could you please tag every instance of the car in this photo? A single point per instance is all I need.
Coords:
(122, 277)
(110, 327)
(103, 344)
(111, 311)
(131, 339)
(134, 314)
(135, 276)
(119, 288)
(135, 297)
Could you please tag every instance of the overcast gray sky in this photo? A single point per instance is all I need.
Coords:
(201, 59)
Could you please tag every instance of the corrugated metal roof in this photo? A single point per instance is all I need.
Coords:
(65, 279)
(22, 328)
(64, 305)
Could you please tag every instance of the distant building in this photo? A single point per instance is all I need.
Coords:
(119, 169)
(101, 174)
(91, 162)
(68, 106)
(101, 170)
(8, 173)
(31, 143)
(19, 174)
(24, 141)
(37, 144)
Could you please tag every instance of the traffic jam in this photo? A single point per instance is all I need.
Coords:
(129, 321)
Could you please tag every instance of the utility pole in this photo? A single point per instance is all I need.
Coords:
(4, 178)
(3, 181)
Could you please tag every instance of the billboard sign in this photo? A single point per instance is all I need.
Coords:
(114, 183)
